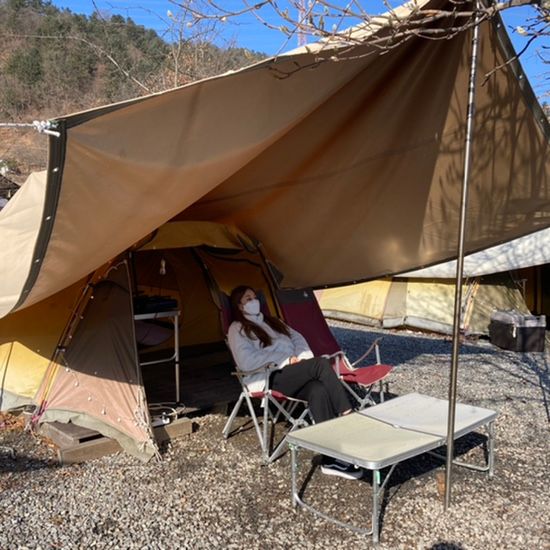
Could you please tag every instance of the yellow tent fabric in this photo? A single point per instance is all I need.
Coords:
(188, 234)
(426, 304)
(27, 342)
(183, 280)
(358, 301)
(246, 268)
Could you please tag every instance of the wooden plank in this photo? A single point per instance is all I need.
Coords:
(67, 435)
(103, 446)
(96, 448)
(181, 426)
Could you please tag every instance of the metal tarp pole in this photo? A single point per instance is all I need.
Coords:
(460, 259)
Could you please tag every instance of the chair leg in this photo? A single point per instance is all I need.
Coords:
(290, 410)
(256, 424)
(264, 434)
(232, 416)
(296, 423)
(361, 401)
(231, 419)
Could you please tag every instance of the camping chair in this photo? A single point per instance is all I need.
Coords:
(302, 312)
(276, 405)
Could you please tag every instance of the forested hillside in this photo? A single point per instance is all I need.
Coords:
(54, 62)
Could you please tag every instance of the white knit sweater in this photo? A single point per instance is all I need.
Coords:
(249, 353)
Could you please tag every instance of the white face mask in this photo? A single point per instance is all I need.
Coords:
(252, 307)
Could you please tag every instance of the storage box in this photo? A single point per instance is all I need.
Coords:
(517, 331)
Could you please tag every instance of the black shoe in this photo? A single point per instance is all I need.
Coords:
(333, 467)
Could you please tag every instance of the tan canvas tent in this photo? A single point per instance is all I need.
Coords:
(74, 354)
(344, 171)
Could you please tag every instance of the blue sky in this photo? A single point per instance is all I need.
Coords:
(250, 33)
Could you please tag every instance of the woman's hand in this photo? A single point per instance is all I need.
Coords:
(293, 360)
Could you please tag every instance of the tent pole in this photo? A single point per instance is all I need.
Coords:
(460, 260)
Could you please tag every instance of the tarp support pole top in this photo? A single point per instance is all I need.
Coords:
(41, 126)
(460, 255)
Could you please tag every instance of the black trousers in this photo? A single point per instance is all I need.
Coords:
(315, 381)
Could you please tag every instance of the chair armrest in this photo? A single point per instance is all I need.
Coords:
(374, 346)
(339, 362)
(330, 356)
(268, 368)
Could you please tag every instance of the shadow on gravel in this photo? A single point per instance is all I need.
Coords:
(423, 465)
(396, 348)
(418, 467)
(526, 368)
(19, 463)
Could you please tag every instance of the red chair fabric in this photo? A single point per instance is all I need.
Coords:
(302, 312)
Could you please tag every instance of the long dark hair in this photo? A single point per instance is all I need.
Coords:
(248, 326)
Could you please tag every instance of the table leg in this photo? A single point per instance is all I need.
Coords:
(177, 357)
(377, 490)
(294, 468)
(491, 447)
(375, 505)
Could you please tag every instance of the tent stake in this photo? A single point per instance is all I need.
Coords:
(460, 260)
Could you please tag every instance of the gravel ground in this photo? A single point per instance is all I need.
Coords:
(211, 493)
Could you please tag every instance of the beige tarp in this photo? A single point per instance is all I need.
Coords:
(343, 170)
(527, 251)
(20, 222)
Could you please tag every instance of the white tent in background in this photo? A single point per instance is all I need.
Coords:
(423, 299)
(528, 251)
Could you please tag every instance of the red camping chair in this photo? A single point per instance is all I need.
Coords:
(302, 312)
(276, 405)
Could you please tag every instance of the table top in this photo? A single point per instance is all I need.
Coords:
(363, 441)
(426, 414)
(390, 432)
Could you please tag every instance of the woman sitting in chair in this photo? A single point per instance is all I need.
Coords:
(256, 339)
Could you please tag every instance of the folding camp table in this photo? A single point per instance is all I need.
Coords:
(385, 435)
(174, 315)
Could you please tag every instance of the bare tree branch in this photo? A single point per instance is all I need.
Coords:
(339, 28)
(319, 12)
